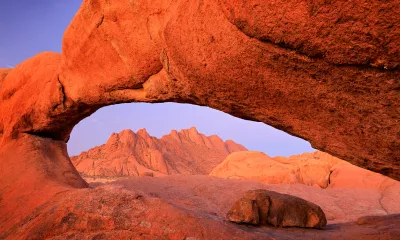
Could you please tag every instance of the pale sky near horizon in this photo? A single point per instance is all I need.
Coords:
(29, 27)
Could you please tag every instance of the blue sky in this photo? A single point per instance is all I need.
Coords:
(29, 27)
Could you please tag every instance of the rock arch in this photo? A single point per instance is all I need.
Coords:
(331, 77)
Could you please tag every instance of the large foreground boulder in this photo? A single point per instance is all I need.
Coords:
(279, 210)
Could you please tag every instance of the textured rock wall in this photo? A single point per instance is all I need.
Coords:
(325, 71)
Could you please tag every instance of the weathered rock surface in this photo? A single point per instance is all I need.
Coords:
(132, 154)
(215, 196)
(245, 210)
(113, 212)
(296, 80)
(316, 169)
(326, 71)
(346, 176)
(338, 74)
(279, 210)
(175, 207)
(312, 169)
(3, 73)
(32, 171)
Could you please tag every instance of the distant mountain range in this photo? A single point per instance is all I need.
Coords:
(136, 154)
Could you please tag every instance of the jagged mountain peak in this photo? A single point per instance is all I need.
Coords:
(180, 152)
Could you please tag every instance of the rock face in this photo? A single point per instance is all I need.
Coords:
(211, 53)
(3, 73)
(312, 169)
(245, 210)
(308, 81)
(130, 154)
(326, 71)
(279, 210)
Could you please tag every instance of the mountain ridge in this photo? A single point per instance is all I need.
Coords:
(133, 154)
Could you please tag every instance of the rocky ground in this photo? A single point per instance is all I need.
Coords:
(344, 192)
(195, 207)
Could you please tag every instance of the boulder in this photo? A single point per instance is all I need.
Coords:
(279, 210)
(244, 211)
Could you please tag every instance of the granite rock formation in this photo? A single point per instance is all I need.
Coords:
(378, 193)
(340, 86)
(279, 210)
(312, 169)
(317, 169)
(326, 71)
(133, 154)
(179, 206)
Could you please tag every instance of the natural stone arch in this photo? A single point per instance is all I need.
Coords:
(191, 52)
(298, 76)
